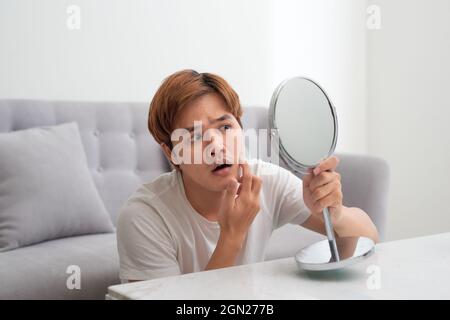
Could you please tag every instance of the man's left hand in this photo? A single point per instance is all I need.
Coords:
(322, 188)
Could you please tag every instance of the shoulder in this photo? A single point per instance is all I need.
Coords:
(270, 172)
(144, 205)
(141, 223)
(165, 183)
(277, 182)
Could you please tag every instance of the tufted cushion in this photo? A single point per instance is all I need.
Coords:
(46, 190)
(120, 151)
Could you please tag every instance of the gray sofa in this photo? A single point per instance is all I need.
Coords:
(122, 155)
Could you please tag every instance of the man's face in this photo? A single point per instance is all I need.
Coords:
(207, 135)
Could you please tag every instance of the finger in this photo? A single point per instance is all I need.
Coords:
(330, 200)
(325, 190)
(230, 194)
(327, 164)
(239, 188)
(246, 179)
(307, 178)
(241, 171)
(256, 185)
(322, 179)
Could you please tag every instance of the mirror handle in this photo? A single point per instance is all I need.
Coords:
(330, 235)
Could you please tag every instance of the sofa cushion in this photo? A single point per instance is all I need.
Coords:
(46, 189)
(42, 271)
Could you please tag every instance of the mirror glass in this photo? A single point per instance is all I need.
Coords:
(304, 109)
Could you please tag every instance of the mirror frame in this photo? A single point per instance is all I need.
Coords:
(274, 135)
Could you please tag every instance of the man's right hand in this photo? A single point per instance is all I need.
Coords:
(239, 208)
(237, 213)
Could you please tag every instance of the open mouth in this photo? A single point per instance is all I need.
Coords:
(221, 167)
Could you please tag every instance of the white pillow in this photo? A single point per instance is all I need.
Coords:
(46, 189)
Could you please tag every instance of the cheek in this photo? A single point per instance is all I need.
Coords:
(235, 147)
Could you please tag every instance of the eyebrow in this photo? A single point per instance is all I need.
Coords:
(222, 118)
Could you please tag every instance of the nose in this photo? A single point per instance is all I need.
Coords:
(216, 147)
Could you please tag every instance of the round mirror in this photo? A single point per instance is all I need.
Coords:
(300, 106)
(304, 128)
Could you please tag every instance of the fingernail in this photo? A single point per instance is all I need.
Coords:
(316, 171)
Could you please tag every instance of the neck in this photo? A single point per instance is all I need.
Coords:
(205, 202)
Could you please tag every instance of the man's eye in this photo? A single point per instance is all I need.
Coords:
(226, 127)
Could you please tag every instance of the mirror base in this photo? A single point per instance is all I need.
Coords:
(317, 257)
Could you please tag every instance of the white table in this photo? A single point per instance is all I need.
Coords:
(417, 268)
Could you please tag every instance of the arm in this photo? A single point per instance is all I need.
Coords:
(235, 218)
(321, 189)
(226, 252)
(353, 222)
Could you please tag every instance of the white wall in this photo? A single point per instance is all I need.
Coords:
(125, 48)
(326, 40)
(388, 85)
(409, 112)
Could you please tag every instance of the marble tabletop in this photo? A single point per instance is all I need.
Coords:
(416, 268)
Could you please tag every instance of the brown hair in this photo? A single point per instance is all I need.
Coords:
(180, 89)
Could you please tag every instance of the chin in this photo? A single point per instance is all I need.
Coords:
(220, 183)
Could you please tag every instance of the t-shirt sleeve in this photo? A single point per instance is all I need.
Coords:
(286, 191)
(146, 249)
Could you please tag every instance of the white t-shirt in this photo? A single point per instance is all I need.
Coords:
(160, 234)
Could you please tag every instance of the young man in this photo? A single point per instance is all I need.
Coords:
(219, 211)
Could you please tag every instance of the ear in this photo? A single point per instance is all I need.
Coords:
(166, 150)
(168, 153)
